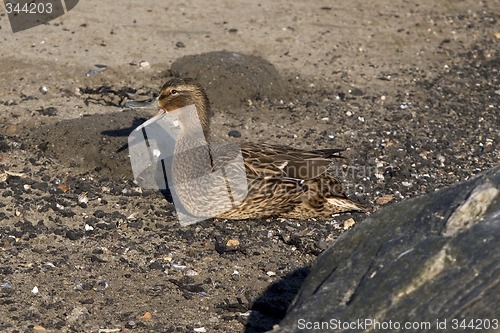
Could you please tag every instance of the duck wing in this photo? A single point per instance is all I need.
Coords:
(266, 161)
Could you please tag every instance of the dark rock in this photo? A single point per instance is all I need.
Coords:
(234, 134)
(116, 216)
(188, 234)
(42, 186)
(98, 251)
(59, 231)
(99, 214)
(87, 301)
(156, 265)
(137, 224)
(97, 259)
(7, 193)
(424, 259)
(357, 92)
(106, 226)
(25, 226)
(88, 285)
(49, 111)
(4, 270)
(74, 234)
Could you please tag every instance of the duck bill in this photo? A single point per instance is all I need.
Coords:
(160, 114)
(147, 104)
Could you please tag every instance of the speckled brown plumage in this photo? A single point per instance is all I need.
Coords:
(281, 181)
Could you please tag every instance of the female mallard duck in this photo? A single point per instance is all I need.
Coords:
(280, 181)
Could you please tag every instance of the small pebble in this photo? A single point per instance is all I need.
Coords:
(384, 199)
(232, 243)
(63, 187)
(180, 45)
(130, 324)
(99, 69)
(270, 273)
(191, 272)
(43, 90)
(180, 267)
(11, 130)
(146, 316)
(144, 64)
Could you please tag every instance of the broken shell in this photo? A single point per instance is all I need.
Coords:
(82, 198)
(349, 223)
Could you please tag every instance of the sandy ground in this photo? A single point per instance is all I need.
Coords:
(411, 89)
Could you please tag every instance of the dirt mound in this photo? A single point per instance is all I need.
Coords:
(95, 143)
(231, 78)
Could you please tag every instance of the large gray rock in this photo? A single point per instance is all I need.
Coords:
(431, 259)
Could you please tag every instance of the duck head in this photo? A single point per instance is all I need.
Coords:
(178, 93)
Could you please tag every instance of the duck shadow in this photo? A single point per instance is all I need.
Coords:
(272, 305)
(124, 131)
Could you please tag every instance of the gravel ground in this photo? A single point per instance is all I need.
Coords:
(411, 90)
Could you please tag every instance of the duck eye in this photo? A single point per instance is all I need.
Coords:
(174, 92)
